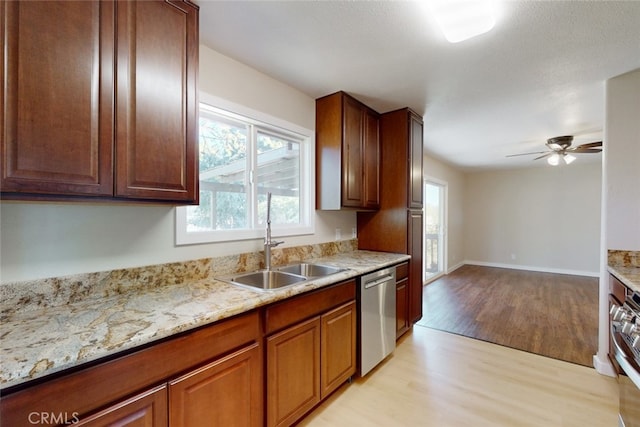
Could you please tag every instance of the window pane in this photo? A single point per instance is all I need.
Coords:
(279, 173)
(242, 158)
(223, 177)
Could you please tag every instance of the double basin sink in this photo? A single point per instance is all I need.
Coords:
(281, 277)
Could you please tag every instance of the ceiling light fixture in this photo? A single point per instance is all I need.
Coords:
(554, 159)
(568, 158)
(462, 19)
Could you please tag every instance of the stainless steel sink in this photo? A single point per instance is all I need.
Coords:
(267, 279)
(311, 270)
(288, 275)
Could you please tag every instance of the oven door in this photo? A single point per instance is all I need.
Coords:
(629, 383)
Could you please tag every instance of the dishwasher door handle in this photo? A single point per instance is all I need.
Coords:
(378, 281)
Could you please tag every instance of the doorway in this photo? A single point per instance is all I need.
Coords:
(434, 229)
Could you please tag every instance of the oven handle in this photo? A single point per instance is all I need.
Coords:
(628, 369)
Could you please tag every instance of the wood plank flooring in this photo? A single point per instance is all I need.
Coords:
(555, 315)
(438, 379)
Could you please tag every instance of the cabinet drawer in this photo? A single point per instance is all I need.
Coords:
(145, 409)
(402, 271)
(296, 309)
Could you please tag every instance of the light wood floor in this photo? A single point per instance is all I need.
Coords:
(555, 315)
(440, 379)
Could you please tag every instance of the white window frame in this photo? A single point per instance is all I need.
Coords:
(307, 181)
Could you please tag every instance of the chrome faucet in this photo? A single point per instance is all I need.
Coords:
(268, 243)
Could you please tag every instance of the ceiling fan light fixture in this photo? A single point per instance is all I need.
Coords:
(554, 159)
(568, 159)
(463, 19)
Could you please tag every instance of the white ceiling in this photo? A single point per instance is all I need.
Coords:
(539, 73)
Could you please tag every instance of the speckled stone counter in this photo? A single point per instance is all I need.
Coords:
(55, 324)
(625, 265)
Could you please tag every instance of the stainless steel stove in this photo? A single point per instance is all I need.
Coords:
(625, 340)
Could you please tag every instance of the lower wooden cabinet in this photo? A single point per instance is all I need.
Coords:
(293, 372)
(223, 366)
(143, 410)
(403, 322)
(212, 376)
(337, 347)
(313, 355)
(226, 392)
(308, 361)
(415, 231)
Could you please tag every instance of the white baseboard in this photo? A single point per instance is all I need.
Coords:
(455, 267)
(604, 367)
(532, 268)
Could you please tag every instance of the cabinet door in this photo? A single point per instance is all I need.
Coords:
(416, 178)
(338, 346)
(371, 160)
(56, 112)
(352, 154)
(402, 299)
(402, 307)
(156, 111)
(147, 409)
(415, 265)
(293, 372)
(226, 392)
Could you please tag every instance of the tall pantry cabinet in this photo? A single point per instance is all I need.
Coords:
(397, 226)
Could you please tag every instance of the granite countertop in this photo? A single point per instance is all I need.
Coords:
(46, 339)
(625, 265)
(629, 276)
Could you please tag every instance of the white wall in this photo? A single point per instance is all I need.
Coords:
(41, 240)
(620, 190)
(455, 180)
(543, 218)
(622, 169)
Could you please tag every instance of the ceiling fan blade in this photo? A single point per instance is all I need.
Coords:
(590, 145)
(585, 150)
(526, 154)
(550, 153)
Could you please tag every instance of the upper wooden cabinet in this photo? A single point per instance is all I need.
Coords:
(57, 97)
(347, 154)
(401, 135)
(100, 100)
(416, 178)
(156, 94)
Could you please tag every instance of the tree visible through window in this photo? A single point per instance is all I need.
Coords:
(241, 160)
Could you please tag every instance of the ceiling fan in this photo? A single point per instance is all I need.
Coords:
(560, 147)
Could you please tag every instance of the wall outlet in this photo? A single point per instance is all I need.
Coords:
(513, 257)
(338, 234)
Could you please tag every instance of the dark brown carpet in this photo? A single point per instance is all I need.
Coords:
(554, 315)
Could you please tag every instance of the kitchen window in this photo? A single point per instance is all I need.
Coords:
(244, 155)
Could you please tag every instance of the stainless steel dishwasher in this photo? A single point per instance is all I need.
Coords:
(377, 317)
